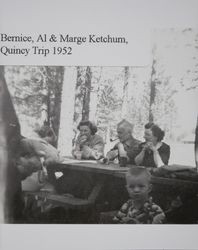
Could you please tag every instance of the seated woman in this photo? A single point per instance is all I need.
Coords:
(153, 152)
(88, 145)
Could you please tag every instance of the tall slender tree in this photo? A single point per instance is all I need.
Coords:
(86, 94)
(125, 99)
(54, 94)
(152, 89)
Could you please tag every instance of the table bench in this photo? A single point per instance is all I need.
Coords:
(114, 175)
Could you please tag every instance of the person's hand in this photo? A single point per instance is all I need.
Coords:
(104, 160)
(159, 219)
(49, 161)
(120, 146)
(28, 165)
(40, 153)
(78, 155)
(148, 147)
(86, 151)
(121, 150)
(82, 140)
(111, 155)
(151, 147)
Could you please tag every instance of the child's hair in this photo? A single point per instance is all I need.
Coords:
(138, 170)
(126, 125)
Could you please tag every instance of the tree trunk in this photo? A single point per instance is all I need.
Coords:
(78, 97)
(86, 96)
(48, 107)
(49, 83)
(11, 205)
(67, 129)
(152, 92)
(57, 99)
(54, 94)
(125, 92)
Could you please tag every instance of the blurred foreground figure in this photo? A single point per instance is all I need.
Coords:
(48, 155)
(46, 133)
(14, 165)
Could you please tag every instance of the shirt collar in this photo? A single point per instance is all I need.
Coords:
(129, 141)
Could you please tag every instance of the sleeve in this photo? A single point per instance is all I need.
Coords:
(134, 152)
(158, 215)
(165, 153)
(139, 148)
(137, 152)
(113, 153)
(122, 213)
(26, 148)
(96, 151)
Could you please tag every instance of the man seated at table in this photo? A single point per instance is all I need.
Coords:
(88, 145)
(127, 147)
(139, 209)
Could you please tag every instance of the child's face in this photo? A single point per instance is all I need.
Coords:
(138, 187)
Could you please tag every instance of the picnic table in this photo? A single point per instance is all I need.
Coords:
(101, 187)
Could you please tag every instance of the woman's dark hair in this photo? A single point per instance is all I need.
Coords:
(89, 124)
(157, 131)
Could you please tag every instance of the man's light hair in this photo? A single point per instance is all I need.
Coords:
(126, 125)
(137, 171)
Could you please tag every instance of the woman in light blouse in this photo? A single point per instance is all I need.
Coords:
(88, 145)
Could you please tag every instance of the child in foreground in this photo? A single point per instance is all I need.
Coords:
(139, 209)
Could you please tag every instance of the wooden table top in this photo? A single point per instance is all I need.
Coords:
(113, 169)
(92, 166)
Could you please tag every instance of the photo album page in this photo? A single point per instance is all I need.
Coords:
(99, 125)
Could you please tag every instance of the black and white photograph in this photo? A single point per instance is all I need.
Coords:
(99, 124)
(82, 137)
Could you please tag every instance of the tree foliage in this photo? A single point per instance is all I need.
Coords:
(36, 93)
